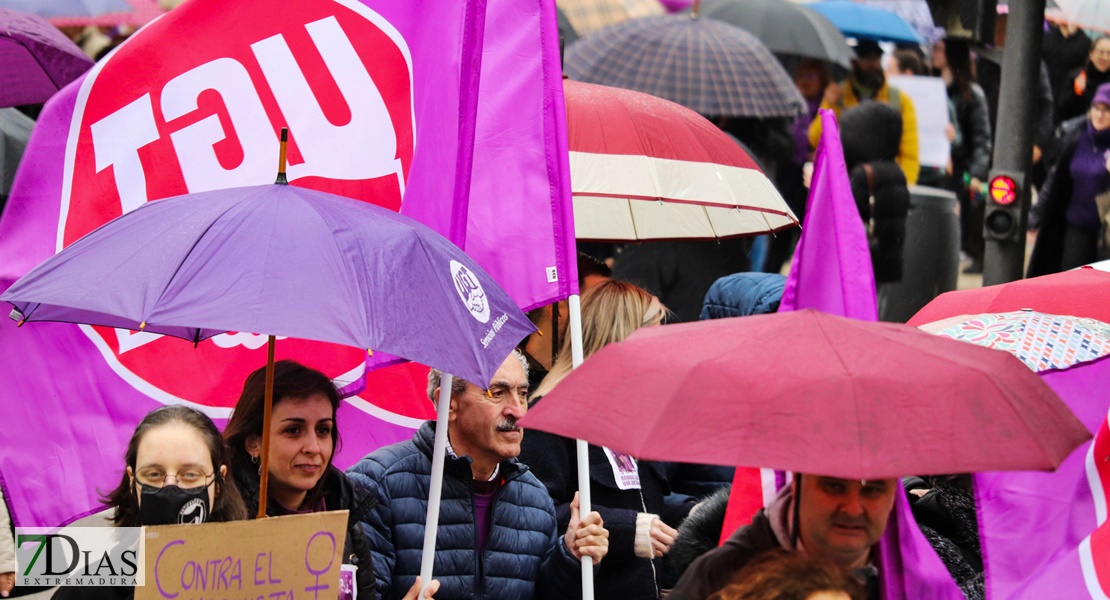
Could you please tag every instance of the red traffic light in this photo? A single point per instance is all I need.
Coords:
(1003, 190)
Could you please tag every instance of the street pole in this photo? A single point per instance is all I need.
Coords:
(1013, 141)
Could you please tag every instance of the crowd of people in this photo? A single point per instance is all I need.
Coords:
(510, 522)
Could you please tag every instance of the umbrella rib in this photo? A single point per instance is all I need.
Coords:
(855, 404)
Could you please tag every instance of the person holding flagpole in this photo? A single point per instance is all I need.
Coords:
(628, 493)
(498, 536)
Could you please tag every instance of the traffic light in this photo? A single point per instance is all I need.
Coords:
(1002, 217)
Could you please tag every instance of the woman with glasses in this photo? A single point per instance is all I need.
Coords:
(175, 472)
(627, 492)
(1067, 214)
(303, 439)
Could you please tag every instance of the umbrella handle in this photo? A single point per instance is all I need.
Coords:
(267, 416)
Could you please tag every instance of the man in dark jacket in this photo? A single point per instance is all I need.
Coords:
(497, 528)
(836, 519)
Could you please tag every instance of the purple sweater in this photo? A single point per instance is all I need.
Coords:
(1089, 178)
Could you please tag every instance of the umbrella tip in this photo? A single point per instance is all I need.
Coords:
(142, 325)
(369, 352)
(281, 157)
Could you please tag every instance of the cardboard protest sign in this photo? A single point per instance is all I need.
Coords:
(279, 558)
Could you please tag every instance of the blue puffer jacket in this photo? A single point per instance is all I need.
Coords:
(743, 294)
(524, 557)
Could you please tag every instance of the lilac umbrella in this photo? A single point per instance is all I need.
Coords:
(285, 261)
(281, 260)
(62, 8)
(37, 60)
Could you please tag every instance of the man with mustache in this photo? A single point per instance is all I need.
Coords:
(497, 526)
(868, 82)
(834, 519)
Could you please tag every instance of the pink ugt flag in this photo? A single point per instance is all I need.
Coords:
(401, 104)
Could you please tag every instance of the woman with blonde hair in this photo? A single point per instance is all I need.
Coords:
(628, 493)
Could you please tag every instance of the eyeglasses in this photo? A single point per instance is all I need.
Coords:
(500, 394)
(188, 478)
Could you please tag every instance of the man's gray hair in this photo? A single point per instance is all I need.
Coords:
(458, 384)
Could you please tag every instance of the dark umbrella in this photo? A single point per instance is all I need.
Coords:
(36, 60)
(785, 28)
(705, 65)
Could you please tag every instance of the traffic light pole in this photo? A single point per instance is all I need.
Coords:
(1013, 141)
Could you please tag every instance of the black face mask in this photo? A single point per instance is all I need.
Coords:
(171, 505)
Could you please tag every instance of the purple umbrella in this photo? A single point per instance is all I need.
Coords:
(37, 60)
(280, 260)
(65, 8)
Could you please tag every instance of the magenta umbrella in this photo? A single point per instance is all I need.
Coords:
(36, 60)
(810, 392)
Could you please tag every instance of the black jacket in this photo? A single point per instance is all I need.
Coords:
(973, 156)
(871, 134)
(1068, 103)
(622, 575)
(339, 494)
(1049, 215)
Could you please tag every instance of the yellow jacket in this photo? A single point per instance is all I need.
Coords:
(907, 152)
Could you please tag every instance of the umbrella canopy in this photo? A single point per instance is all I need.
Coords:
(588, 16)
(813, 393)
(1039, 340)
(1080, 293)
(286, 261)
(135, 13)
(785, 28)
(63, 8)
(864, 21)
(914, 12)
(644, 168)
(1092, 14)
(37, 60)
(705, 65)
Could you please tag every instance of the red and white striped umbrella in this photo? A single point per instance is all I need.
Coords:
(644, 168)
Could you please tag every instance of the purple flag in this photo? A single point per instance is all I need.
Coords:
(832, 264)
(1038, 530)
(406, 105)
(832, 272)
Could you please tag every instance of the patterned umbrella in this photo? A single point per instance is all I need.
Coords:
(710, 67)
(1040, 340)
(590, 15)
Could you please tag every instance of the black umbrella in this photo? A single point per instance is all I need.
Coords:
(785, 28)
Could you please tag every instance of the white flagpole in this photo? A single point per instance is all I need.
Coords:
(577, 358)
(435, 489)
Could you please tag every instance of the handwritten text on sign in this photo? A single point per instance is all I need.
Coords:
(281, 558)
